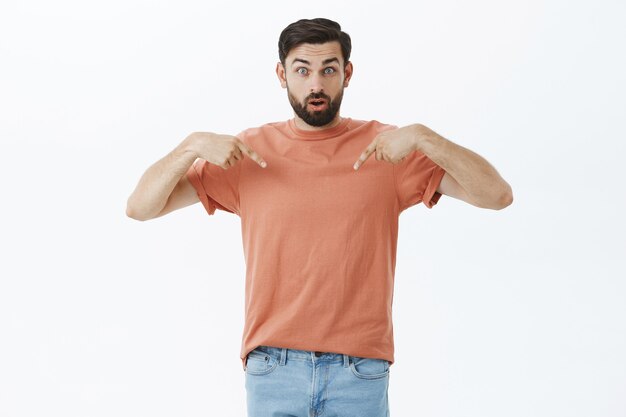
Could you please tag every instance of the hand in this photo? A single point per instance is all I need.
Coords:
(221, 150)
(391, 146)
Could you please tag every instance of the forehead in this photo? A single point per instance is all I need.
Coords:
(315, 53)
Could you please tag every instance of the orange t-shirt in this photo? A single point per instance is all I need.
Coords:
(319, 238)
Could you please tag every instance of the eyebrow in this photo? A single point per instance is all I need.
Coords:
(326, 61)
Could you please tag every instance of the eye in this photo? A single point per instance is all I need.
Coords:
(330, 68)
(300, 72)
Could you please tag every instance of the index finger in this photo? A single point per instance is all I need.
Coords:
(366, 154)
(251, 154)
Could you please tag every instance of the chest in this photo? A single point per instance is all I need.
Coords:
(318, 190)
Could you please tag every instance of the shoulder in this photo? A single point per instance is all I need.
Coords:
(373, 125)
(261, 130)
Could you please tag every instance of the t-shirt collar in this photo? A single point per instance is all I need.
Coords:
(301, 134)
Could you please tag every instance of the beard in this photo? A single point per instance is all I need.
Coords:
(316, 118)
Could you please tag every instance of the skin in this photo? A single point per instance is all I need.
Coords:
(315, 80)
(469, 177)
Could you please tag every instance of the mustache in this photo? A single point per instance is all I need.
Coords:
(318, 96)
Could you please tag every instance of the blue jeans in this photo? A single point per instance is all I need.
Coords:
(284, 382)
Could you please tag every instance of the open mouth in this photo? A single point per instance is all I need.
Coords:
(318, 104)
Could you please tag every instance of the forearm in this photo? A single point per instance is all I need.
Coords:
(157, 183)
(475, 175)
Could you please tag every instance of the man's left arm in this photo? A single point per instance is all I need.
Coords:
(469, 177)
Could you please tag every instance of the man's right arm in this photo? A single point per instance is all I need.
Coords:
(164, 186)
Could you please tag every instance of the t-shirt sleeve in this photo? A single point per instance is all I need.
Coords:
(417, 179)
(217, 188)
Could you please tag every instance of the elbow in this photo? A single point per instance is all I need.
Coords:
(498, 202)
(134, 214)
(506, 198)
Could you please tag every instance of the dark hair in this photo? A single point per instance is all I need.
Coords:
(313, 31)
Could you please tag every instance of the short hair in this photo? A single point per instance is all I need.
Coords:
(314, 31)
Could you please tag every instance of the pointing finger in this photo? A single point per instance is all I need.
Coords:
(251, 154)
(366, 154)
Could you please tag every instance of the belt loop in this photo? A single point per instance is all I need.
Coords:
(283, 356)
(346, 360)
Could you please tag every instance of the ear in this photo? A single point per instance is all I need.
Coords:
(347, 73)
(280, 72)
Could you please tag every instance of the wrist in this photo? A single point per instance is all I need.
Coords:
(418, 137)
(189, 145)
(423, 138)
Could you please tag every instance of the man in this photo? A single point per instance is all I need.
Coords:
(319, 224)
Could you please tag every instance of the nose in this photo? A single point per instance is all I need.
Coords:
(316, 84)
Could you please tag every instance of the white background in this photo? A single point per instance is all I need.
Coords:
(518, 312)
